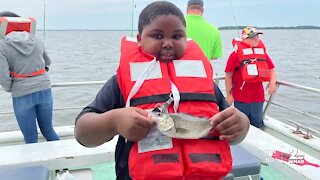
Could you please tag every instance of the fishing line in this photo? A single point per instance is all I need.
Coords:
(132, 15)
(234, 17)
(44, 20)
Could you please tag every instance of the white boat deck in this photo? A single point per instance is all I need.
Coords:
(56, 155)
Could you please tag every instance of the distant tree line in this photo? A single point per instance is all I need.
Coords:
(221, 28)
(276, 27)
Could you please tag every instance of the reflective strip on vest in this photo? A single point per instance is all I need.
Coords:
(258, 50)
(190, 68)
(247, 51)
(183, 68)
(36, 73)
(137, 68)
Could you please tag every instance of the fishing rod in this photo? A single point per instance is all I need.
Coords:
(44, 20)
(234, 17)
(132, 15)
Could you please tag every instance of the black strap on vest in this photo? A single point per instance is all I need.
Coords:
(248, 61)
(164, 97)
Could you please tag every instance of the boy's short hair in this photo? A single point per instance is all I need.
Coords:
(8, 14)
(156, 9)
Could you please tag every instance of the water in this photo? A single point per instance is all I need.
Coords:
(94, 55)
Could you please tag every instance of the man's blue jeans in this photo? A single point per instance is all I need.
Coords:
(32, 108)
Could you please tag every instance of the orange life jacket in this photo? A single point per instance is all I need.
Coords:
(253, 61)
(187, 158)
(9, 24)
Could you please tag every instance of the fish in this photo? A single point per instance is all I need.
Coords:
(181, 126)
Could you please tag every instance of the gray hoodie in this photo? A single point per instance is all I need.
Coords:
(23, 53)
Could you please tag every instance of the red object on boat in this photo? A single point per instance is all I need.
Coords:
(288, 158)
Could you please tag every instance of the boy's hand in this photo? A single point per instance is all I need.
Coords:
(231, 124)
(133, 123)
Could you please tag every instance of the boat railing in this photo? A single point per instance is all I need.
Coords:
(297, 125)
(66, 84)
(270, 102)
(217, 79)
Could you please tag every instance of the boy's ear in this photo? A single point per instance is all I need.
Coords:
(138, 38)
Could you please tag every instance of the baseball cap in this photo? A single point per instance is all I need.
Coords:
(249, 32)
(198, 2)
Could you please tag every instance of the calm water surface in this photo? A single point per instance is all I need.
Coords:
(94, 55)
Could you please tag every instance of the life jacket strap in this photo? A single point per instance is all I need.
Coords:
(164, 97)
(248, 61)
(36, 73)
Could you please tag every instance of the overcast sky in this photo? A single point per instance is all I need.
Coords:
(117, 14)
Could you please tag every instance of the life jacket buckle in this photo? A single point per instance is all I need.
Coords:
(163, 108)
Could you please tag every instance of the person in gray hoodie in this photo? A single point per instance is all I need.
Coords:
(23, 73)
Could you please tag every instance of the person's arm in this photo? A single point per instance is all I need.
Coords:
(106, 117)
(5, 79)
(221, 101)
(47, 60)
(93, 129)
(273, 82)
(231, 65)
(273, 77)
(228, 82)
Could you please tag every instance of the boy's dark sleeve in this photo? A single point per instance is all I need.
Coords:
(221, 101)
(109, 97)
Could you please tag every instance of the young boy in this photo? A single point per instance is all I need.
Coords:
(247, 67)
(158, 65)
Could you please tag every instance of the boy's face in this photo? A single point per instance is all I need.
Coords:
(164, 37)
(253, 41)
